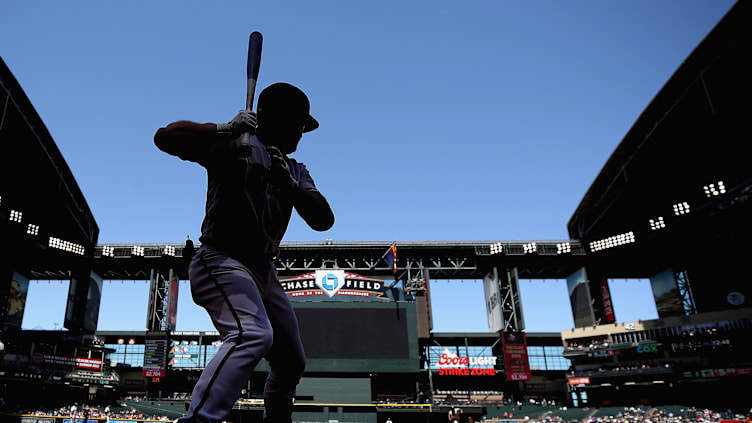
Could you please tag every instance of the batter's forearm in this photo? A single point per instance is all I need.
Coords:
(313, 208)
(185, 139)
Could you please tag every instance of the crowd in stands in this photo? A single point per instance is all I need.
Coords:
(85, 411)
(668, 414)
(628, 366)
(701, 335)
(593, 344)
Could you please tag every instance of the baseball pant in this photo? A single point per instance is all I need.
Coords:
(255, 319)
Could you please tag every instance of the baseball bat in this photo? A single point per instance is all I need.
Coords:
(252, 71)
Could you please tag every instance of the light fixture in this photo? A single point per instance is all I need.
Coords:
(66, 246)
(497, 248)
(137, 251)
(16, 216)
(612, 241)
(108, 251)
(681, 208)
(168, 250)
(715, 189)
(120, 341)
(131, 341)
(563, 248)
(529, 248)
(32, 229)
(657, 223)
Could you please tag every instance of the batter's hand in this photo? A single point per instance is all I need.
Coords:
(243, 122)
(280, 172)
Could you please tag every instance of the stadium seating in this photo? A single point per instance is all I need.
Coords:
(170, 408)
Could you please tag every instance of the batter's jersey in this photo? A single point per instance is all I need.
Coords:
(246, 216)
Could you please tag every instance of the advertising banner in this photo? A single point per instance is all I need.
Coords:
(515, 355)
(172, 301)
(450, 364)
(607, 310)
(150, 312)
(78, 292)
(93, 300)
(579, 298)
(19, 287)
(519, 316)
(58, 360)
(579, 381)
(493, 301)
(37, 419)
(423, 308)
(668, 301)
(337, 285)
(714, 373)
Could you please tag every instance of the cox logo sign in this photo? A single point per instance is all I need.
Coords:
(330, 281)
(648, 349)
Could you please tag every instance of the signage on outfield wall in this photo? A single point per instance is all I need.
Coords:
(711, 373)
(648, 349)
(693, 345)
(603, 353)
(133, 382)
(579, 381)
(335, 284)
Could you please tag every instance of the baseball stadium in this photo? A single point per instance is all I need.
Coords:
(672, 204)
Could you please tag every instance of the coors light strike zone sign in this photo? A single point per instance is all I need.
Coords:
(451, 364)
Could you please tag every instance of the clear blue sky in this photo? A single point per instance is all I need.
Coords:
(483, 120)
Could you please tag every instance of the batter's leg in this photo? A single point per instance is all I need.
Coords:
(286, 357)
(229, 293)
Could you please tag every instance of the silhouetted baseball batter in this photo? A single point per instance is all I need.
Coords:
(248, 207)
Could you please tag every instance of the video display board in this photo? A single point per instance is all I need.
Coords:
(354, 333)
(359, 336)
(156, 345)
(668, 301)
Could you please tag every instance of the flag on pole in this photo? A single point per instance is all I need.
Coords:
(390, 257)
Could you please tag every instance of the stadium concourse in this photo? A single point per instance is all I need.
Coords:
(661, 208)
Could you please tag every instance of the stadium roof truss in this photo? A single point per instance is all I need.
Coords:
(443, 259)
